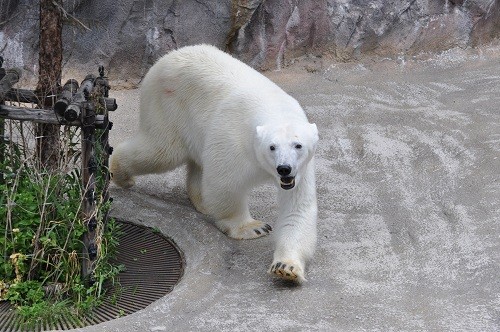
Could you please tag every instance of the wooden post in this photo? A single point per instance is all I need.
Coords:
(8, 78)
(48, 145)
(37, 115)
(2, 126)
(49, 80)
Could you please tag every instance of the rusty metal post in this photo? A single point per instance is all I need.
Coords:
(95, 108)
(101, 95)
(89, 168)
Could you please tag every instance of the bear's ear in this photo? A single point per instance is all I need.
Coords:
(314, 133)
(260, 131)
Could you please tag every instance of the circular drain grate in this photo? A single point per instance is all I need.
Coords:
(154, 265)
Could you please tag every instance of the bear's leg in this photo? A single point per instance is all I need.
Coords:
(230, 209)
(140, 155)
(295, 230)
(294, 245)
(295, 241)
(193, 184)
(238, 224)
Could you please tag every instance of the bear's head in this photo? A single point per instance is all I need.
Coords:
(285, 150)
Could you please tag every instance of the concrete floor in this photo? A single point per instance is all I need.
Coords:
(408, 180)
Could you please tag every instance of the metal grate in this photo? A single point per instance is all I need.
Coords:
(154, 264)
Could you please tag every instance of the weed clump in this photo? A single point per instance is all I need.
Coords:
(41, 229)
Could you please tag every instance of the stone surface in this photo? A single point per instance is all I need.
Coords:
(280, 30)
(128, 36)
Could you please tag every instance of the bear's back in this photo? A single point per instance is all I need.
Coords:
(203, 62)
(208, 72)
(197, 90)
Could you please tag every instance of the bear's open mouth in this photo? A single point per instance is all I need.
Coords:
(287, 182)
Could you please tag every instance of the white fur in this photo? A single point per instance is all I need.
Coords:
(201, 107)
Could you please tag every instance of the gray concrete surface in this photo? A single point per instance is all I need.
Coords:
(408, 176)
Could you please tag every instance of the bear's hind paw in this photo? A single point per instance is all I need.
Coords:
(263, 230)
(123, 182)
(287, 271)
(250, 230)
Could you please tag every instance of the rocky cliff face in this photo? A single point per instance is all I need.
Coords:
(128, 36)
(347, 29)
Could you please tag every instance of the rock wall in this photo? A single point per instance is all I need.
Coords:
(128, 36)
(278, 30)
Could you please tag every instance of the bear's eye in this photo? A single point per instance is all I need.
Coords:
(298, 146)
(272, 148)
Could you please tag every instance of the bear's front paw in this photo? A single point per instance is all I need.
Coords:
(288, 270)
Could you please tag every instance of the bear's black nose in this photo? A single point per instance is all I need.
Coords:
(284, 170)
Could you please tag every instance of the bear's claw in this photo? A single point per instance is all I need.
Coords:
(266, 228)
(249, 230)
(287, 272)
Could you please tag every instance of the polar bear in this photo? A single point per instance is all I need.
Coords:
(234, 129)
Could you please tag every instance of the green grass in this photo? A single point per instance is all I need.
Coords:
(41, 230)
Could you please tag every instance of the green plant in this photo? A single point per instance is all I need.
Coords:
(41, 228)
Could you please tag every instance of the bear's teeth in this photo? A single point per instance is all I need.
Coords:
(287, 183)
